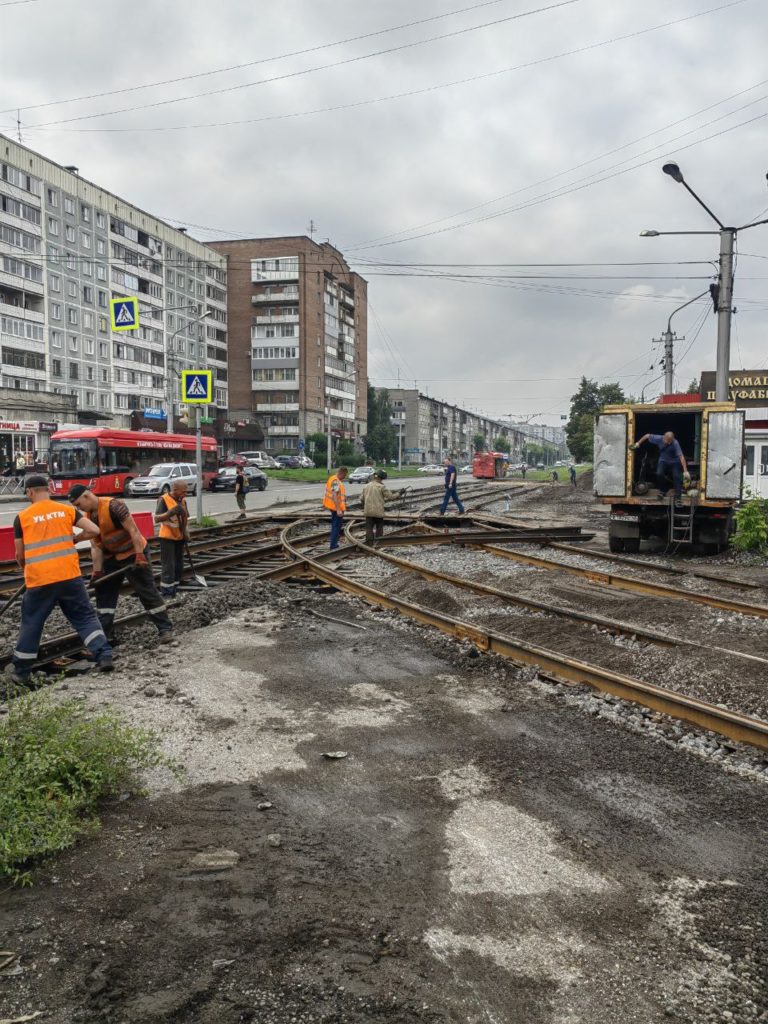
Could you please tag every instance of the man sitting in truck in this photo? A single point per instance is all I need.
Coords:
(671, 469)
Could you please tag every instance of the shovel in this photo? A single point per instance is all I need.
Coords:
(200, 580)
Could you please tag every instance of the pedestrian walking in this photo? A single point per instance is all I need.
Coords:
(451, 494)
(555, 477)
(241, 489)
(335, 500)
(172, 515)
(524, 470)
(373, 497)
(45, 549)
(20, 463)
(572, 474)
(120, 552)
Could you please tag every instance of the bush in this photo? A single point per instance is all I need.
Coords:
(205, 523)
(752, 525)
(56, 765)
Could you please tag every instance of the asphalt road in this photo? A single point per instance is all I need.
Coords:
(222, 505)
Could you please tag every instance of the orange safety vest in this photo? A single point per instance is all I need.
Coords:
(170, 530)
(115, 540)
(336, 501)
(50, 555)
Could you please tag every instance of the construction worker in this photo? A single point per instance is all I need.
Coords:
(451, 494)
(671, 469)
(120, 552)
(572, 474)
(374, 495)
(45, 550)
(335, 500)
(173, 516)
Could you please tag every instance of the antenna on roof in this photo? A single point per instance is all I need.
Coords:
(18, 125)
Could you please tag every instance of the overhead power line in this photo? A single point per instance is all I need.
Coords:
(250, 63)
(325, 67)
(359, 103)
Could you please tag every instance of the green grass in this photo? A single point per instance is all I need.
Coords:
(205, 523)
(320, 475)
(57, 764)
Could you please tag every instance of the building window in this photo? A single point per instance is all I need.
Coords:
(74, 371)
(55, 311)
(101, 247)
(85, 240)
(53, 226)
(85, 213)
(69, 205)
(103, 350)
(101, 220)
(72, 289)
(54, 283)
(52, 196)
(90, 346)
(73, 316)
(88, 294)
(73, 343)
(87, 320)
(56, 367)
(69, 233)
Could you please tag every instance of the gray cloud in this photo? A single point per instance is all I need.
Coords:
(385, 167)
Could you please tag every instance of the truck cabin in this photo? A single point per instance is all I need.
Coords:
(685, 425)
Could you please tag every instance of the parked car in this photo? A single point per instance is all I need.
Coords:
(361, 475)
(306, 462)
(288, 461)
(465, 469)
(431, 469)
(159, 479)
(225, 479)
(261, 459)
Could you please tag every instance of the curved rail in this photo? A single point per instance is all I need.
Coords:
(740, 728)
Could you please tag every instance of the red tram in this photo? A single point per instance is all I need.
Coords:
(105, 460)
(490, 465)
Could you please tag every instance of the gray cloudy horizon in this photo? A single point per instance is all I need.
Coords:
(485, 159)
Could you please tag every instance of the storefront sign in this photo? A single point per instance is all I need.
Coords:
(18, 426)
(745, 387)
(48, 428)
(154, 414)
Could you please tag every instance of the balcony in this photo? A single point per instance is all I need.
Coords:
(347, 298)
(284, 318)
(286, 295)
(19, 310)
(276, 269)
(268, 407)
(281, 430)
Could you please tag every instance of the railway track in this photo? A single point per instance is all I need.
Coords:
(289, 544)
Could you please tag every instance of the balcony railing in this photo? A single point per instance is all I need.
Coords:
(268, 407)
(284, 318)
(288, 295)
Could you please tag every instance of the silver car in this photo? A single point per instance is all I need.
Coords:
(160, 478)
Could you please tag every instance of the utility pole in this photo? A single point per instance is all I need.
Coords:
(669, 339)
(723, 291)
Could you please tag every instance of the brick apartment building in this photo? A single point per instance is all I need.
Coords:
(298, 339)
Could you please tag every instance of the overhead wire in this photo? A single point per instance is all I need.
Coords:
(346, 106)
(356, 59)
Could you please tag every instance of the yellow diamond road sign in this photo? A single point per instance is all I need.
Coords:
(125, 313)
(196, 387)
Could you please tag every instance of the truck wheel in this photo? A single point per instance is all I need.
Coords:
(632, 545)
(615, 544)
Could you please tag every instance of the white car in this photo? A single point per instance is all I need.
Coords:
(431, 469)
(361, 475)
(306, 462)
(160, 479)
(465, 469)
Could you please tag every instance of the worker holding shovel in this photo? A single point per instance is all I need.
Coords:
(172, 515)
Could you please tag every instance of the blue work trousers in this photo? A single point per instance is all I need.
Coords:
(669, 474)
(337, 522)
(38, 603)
(451, 495)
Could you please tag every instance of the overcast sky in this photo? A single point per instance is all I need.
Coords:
(486, 151)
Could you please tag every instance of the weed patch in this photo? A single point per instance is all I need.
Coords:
(56, 764)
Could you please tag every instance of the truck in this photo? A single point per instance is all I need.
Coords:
(711, 436)
(490, 465)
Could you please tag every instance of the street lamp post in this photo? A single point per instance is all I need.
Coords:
(724, 293)
(171, 361)
(668, 340)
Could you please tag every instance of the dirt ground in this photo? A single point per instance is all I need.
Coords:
(484, 854)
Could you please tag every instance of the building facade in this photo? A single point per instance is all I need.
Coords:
(67, 246)
(298, 333)
(432, 429)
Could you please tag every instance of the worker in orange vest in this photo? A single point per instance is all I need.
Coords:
(45, 550)
(172, 516)
(120, 546)
(335, 500)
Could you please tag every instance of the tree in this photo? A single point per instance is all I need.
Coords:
(588, 400)
(380, 442)
(693, 388)
(346, 454)
(501, 444)
(478, 443)
(321, 446)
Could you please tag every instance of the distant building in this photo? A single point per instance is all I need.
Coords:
(298, 333)
(67, 246)
(432, 429)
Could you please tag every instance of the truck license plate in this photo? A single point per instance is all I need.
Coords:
(624, 519)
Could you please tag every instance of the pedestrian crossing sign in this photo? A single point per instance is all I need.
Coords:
(125, 313)
(196, 387)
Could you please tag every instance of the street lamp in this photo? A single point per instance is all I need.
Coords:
(169, 376)
(668, 340)
(724, 293)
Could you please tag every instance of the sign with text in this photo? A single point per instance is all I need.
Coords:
(745, 387)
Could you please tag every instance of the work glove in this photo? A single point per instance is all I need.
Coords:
(96, 575)
(687, 478)
(402, 491)
(634, 447)
(141, 560)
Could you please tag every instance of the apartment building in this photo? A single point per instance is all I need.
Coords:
(298, 339)
(432, 429)
(67, 246)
